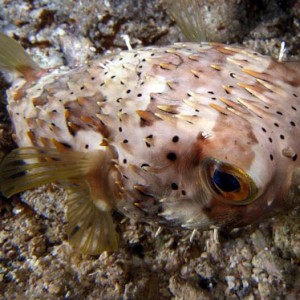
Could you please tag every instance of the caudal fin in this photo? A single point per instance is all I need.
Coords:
(13, 58)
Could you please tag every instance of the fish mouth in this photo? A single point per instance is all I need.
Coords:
(293, 193)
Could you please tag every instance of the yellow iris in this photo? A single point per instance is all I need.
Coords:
(229, 183)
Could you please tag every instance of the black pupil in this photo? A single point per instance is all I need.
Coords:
(225, 182)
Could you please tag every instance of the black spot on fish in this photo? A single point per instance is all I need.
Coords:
(175, 139)
(293, 124)
(271, 157)
(294, 108)
(294, 158)
(270, 140)
(171, 156)
(282, 136)
(174, 186)
(86, 146)
(183, 192)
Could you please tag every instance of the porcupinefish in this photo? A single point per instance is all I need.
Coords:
(193, 135)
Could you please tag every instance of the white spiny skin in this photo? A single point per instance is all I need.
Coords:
(162, 112)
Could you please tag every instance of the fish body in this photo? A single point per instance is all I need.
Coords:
(190, 135)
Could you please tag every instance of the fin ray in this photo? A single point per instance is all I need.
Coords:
(90, 226)
(14, 58)
(26, 168)
(187, 15)
(90, 230)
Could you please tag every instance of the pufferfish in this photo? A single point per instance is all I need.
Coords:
(191, 135)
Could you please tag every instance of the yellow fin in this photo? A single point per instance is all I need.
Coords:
(90, 230)
(187, 15)
(30, 167)
(14, 58)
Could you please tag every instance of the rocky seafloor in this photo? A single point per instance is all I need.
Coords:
(257, 262)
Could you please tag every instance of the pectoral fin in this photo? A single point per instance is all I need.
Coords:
(30, 167)
(90, 225)
(90, 229)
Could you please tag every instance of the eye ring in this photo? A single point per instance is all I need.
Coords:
(228, 183)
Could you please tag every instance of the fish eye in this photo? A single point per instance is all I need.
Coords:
(225, 181)
(229, 183)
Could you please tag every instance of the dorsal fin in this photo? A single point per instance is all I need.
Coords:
(187, 15)
(13, 58)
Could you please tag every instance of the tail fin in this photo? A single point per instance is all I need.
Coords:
(13, 58)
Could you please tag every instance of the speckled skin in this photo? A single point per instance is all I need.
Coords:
(160, 112)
